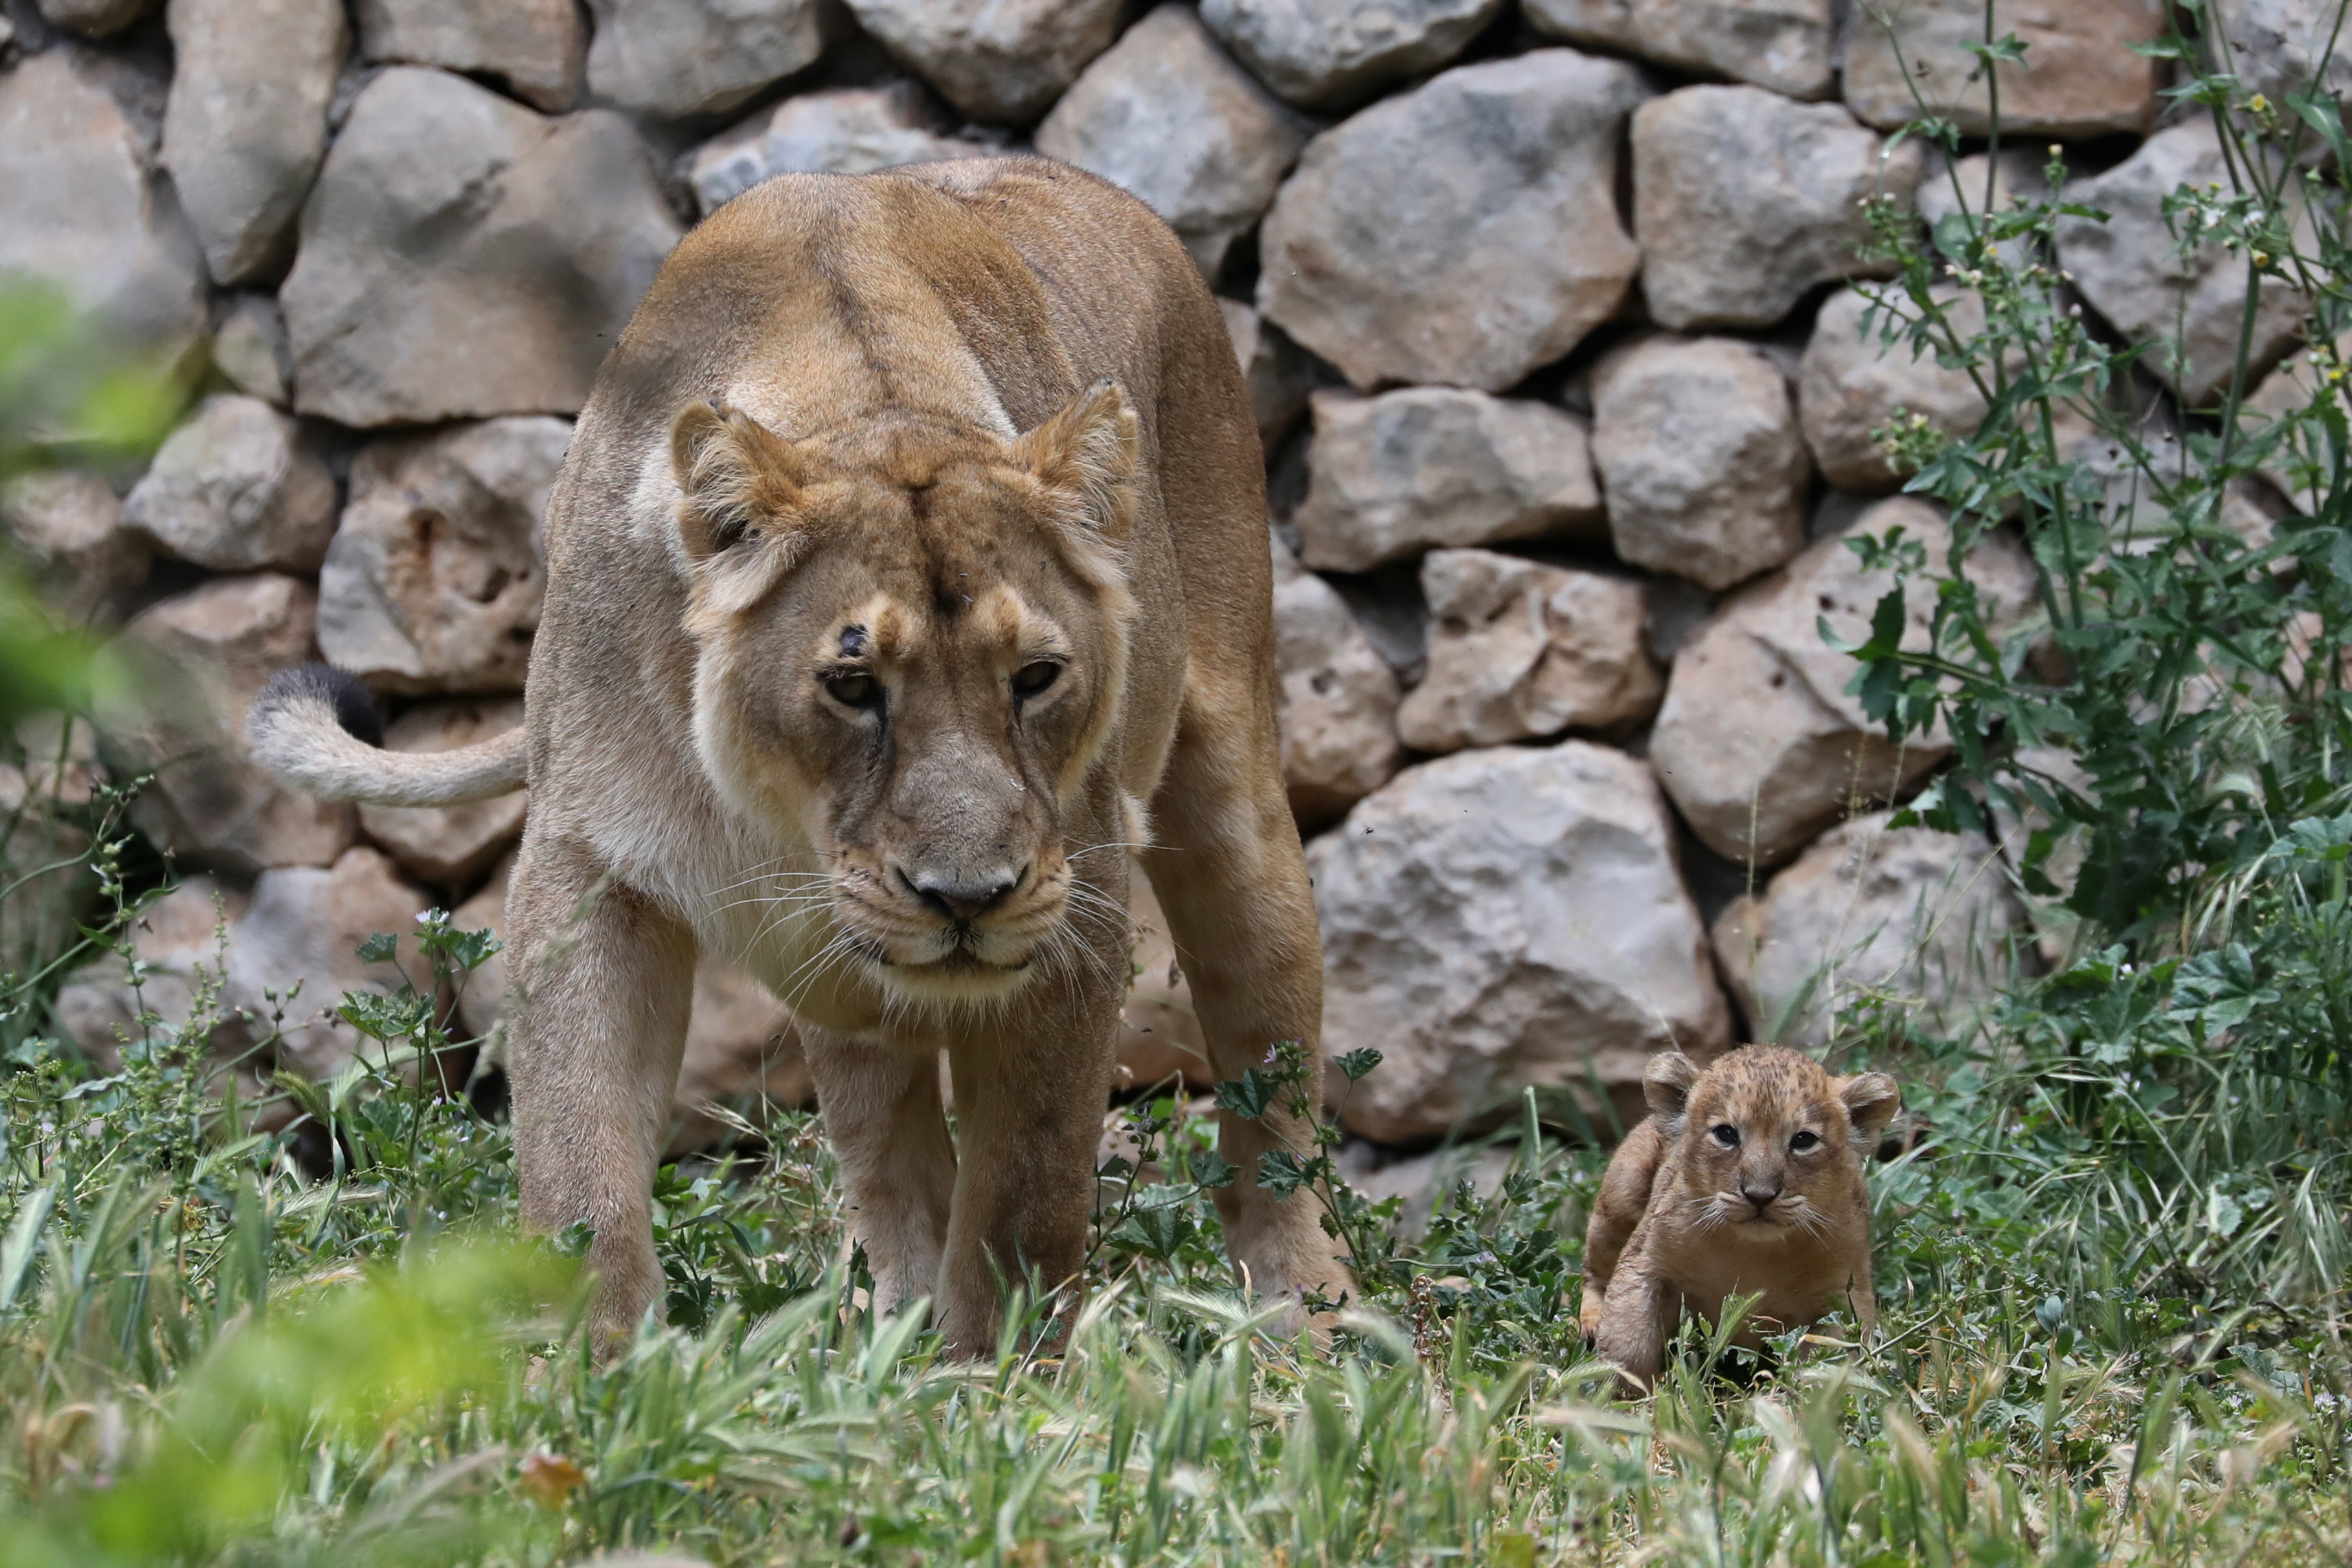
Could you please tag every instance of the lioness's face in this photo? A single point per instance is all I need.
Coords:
(912, 647)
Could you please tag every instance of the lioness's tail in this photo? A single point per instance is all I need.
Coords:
(316, 726)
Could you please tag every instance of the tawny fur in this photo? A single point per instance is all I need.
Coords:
(1745, 1177)
(872, 448)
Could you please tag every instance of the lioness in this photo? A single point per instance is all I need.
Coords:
(908, 566)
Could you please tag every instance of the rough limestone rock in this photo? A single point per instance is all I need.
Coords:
(1389, 476)
(1699, 453)
(250, 349)
(1743, 201)
(2131, 272)
(66, 525)
(1499, 919)
(1758, 741)
(1160, 1036)
(1462, 233)
(1784, 45)
(1852, 383)
(448, 846)
(180, 940)
(2281, 46)
(238, 488)
(676, 57)
(1338, 696)
(2021, 177)
(540, 236)
(94, 18)
(1331, 54)
(2080, 75)
(435, 579)
(538, 47)
(1278, 373)
(1426, 1182)
(198, 661)
(305, 926)
(2299, 467)
(79, 211)
(1004, 60)
(1518, 650)
(1165, 114)
(1911, 911)
(245, 125)
(839, 131)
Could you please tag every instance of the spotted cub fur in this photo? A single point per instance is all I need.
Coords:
(1745, 1178)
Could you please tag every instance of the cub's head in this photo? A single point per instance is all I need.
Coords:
(1770, 1143)
(912, 645)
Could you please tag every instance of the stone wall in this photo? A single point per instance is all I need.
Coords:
(1544, 310)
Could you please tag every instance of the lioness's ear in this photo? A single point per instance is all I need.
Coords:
(1871, 1099)
(1087, 451)
(734, 475)
(1666, 1083)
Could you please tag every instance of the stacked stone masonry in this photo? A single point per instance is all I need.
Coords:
(1555, 323)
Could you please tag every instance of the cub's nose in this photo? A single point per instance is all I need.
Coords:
(1761, 1197)
(960, 896)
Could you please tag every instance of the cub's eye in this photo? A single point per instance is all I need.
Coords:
(1804, 1141)
(1035, 676)
(853, 691)
(1725, 1133)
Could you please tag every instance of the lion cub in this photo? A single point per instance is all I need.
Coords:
(1745, 1178)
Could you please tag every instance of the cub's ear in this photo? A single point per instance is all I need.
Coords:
(1087, 451)
(1871, 1099)
(735, 477)
(1666, 1083)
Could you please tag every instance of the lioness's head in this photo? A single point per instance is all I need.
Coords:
(1770, 1143)
(912, 645)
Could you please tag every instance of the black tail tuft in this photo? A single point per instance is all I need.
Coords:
(354, 704)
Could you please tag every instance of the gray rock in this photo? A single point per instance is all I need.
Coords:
(250, 349)
(2281, 46)
(1337, 697)
(94, 18)
(543, 234)
(2129, 269)
(1518, 650)
(838, 131)
(2018, 178)
(198, 660)
(238, 488)
(1427, 1182)
(180, 943)
(1003, 60)
(304, 927)
(1393, 475)
(1784, 45)
(435, 579)
(676, 57)
(245, 125)
(1502, 919)
(538, 47)
(1331, 54)
(1852, 383)
(1159, 1035)
(448, 846)
(2299, 467)
(77, 209)
(1465, 232)
(1699, 455)
(1902, 912)
(66, 525)
(1743, 201)
(1278, 373)
(2080, 75)
(1166, 115)
(1758, 741)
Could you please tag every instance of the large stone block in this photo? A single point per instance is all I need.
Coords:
(1166, 115)
(66, 525)
(249, 348)
(238, 488)
(838, 131)
(1506, 919)
(1278, 373)
(434, 581)
(1698, 450)
(2081, 75)
(1462, 233)
(179, 943)
(448, 846)
(246, 124)
(676, 57)
(463, 257)
(1785, 44)
(538, 47)
(2280, 45)
(1331, 54)
(1391, 476)
(1852, 381)
(1338, 696)
(1743, 201)
(304, 927)
(1004, 60)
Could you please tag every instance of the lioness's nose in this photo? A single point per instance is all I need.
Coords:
(960, 896)
(1761, 1197)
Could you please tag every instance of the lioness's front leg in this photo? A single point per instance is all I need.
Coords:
(890, 1136)
(603, 979)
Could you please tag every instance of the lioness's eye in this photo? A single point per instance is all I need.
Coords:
(1035, 676)
(1727, 1134)
(1803, 1141)
(852, 691)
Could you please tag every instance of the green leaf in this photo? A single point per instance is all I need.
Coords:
(1247, 1096)
(1282, 1173)
(379, 949)
(1356, 1063)
(1213, 1170)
